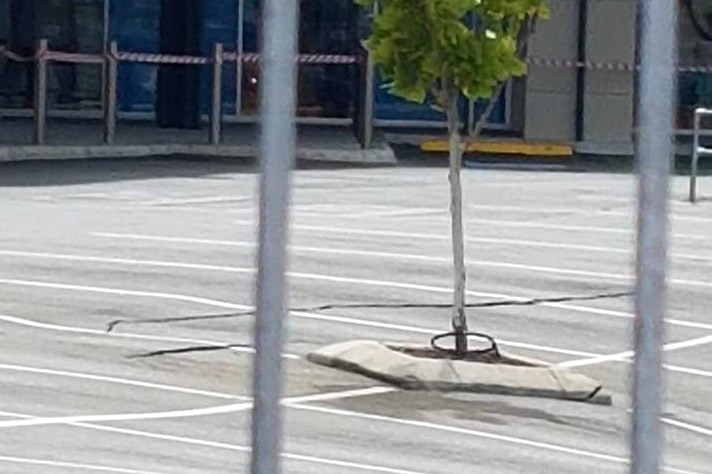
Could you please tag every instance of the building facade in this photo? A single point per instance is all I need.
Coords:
(590, 107)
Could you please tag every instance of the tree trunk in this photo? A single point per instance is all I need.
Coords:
(459, 319)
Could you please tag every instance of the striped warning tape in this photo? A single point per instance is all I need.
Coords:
(563, 63)
(609, 66)
(302, 58)
(60, 57)
(150, 58)
(161, 58)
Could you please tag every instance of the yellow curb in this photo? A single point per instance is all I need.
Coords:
(539, 149)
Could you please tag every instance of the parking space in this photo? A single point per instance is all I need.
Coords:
(126, 318)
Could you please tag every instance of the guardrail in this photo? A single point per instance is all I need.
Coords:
(697, 150)
(110, 62)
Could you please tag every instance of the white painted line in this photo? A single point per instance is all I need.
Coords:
(687, 426)
(222, 304)
(331, 396)
(201, 200)
(400, 256)
(688, 371)
(72, 465)
(230, 447)
(478, 434)
(174, 414)
(120, 381)
(189, 413)
(550, 226)
(578, 211)
(673, 346)
(96, 332)
(405, 235)
(408, 286)
(394, 213)
(525, 243)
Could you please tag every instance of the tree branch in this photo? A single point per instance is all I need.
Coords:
(522, 43)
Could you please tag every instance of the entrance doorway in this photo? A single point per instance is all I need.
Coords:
(178, 85)
(325, 27)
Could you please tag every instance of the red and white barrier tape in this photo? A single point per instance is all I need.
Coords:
(161, 58)
(149, 58)
(83, 58)
(302, 58)
(608, 66)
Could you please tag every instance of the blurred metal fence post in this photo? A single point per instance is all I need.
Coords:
(697, 150)
(654, 151)
(40, 99)
(216, 107)
(369, 99)
(112, 76)
(695, 155)
(277, 155)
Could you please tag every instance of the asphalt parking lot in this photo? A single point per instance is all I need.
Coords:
(162, 253)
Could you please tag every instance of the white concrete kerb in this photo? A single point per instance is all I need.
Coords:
(536, 379)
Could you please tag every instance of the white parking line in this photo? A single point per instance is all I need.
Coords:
(72, 465)
(687, 427)
(227, 446)
(361, 281)
(189, 413)
(579, 211)
(398, 256)
(222, 304)
(300, 314)
(565, 227)
(120, 381)
(673, 346)
(478, 434)
(405, 235)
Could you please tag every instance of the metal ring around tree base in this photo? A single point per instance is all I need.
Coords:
(493, 349)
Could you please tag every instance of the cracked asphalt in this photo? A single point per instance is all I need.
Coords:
(126, 322)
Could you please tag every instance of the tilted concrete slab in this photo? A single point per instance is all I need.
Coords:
(380, 361)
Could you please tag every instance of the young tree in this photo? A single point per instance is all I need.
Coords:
(435, 51)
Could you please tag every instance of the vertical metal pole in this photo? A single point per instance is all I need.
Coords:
(240, 49)
(40, 102)
(369, 100)
(277, 155)
(105, 49)
(216, 107)
(112, 74)
(695, 155)
(654, 151)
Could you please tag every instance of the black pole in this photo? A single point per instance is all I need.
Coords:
(581, 71)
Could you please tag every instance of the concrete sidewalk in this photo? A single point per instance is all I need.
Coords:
(81, 139)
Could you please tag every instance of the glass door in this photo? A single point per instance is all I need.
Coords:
(325, 27)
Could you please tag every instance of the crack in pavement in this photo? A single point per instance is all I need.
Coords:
(326, 307)
(189, 349)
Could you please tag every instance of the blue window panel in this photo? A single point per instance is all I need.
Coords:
(390, 107)
(135, 26)
(220, 27)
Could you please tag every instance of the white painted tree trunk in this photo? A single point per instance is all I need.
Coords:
(459, 319)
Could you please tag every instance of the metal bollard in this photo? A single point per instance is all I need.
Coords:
(112, 70)
(216, 108)
(40, 99)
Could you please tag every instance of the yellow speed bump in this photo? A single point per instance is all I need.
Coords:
(538, 149)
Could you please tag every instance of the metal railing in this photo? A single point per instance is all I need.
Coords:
(697, 150)
(111, 59)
